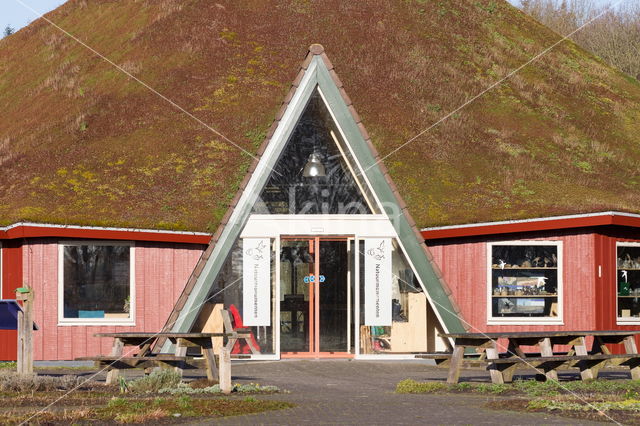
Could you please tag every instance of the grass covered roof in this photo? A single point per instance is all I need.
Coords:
(83, 143)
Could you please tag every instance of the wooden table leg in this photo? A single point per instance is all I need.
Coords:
(116, 350)
(580, 348)
(180, 351)
(599, 347)
(210, 358)
(546, 349)
(631, 348)
(456, 364)
(225, 371)
(496, 375)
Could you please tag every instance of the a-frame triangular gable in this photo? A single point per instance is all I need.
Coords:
(316, 72)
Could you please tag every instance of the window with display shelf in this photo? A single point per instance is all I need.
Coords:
(525, 281)
(628, 273)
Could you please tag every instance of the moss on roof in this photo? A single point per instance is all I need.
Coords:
(82, 143)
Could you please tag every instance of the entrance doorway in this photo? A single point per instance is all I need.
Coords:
(316, 296)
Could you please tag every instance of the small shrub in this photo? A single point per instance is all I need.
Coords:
(183, 388)
(154, 382)
(10, 381)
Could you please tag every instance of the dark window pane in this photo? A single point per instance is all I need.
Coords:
(629, 282)
(289, 191)
(96, 281)
(524, 281)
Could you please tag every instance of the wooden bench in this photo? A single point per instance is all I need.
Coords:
(443, 359)
(147, 359)
(146, 362)
(501, 366)
(589, 365)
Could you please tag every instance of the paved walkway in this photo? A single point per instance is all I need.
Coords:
(362, 392)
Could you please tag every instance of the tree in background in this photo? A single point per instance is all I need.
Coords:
(614, 36)
(8, 30)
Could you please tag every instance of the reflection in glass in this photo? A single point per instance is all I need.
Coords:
(96, 281)
(226, 293)
(296, 263)
(408, 330)
(524, 281)
(315, 172)
(628, 261)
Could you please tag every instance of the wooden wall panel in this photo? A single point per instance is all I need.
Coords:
(464, 266)
(11, 258)
(161, 271)
(606, 311)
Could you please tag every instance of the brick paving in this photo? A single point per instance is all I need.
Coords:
(362, 392)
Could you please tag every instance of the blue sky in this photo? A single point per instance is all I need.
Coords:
(13, 13)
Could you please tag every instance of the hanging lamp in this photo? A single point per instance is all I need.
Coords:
(314, 167)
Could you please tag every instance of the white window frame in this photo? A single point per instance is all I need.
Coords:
(131, 321)
(559, 320)
(623, 320)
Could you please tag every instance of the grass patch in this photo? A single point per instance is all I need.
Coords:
(595, 400)
(529, 388)
(142, 410)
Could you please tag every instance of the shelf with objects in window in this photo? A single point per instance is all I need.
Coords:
(524, 281)
(628, 273)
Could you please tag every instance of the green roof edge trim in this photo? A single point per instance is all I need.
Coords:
(318, 75)
(242, 210)
(414, 249)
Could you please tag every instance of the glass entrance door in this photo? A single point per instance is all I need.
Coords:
(315, 296)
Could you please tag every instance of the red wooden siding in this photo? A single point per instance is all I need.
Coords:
(161, 271)
(463, 263)
(11, 279)
(606, 286)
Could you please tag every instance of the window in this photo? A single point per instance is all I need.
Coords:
(525, 282)
(333, 188)
(96, 283)
(408, 330)
(628, 268)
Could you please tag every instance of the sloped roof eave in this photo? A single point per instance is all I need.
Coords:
(532, 225)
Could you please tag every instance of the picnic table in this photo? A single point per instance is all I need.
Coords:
(502, 365)
(146, 359)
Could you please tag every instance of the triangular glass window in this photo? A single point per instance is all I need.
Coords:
(315, 173)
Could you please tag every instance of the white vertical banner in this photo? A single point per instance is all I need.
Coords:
(256, 281)
(377, 281)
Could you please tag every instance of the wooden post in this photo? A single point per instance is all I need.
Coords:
(496, 375)
(456, 364)
(210, 359)
(546, 350)
(580, 348)
(631, 348)
(116, 350)
(25, 331)
(180, 351)
(225, 370)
